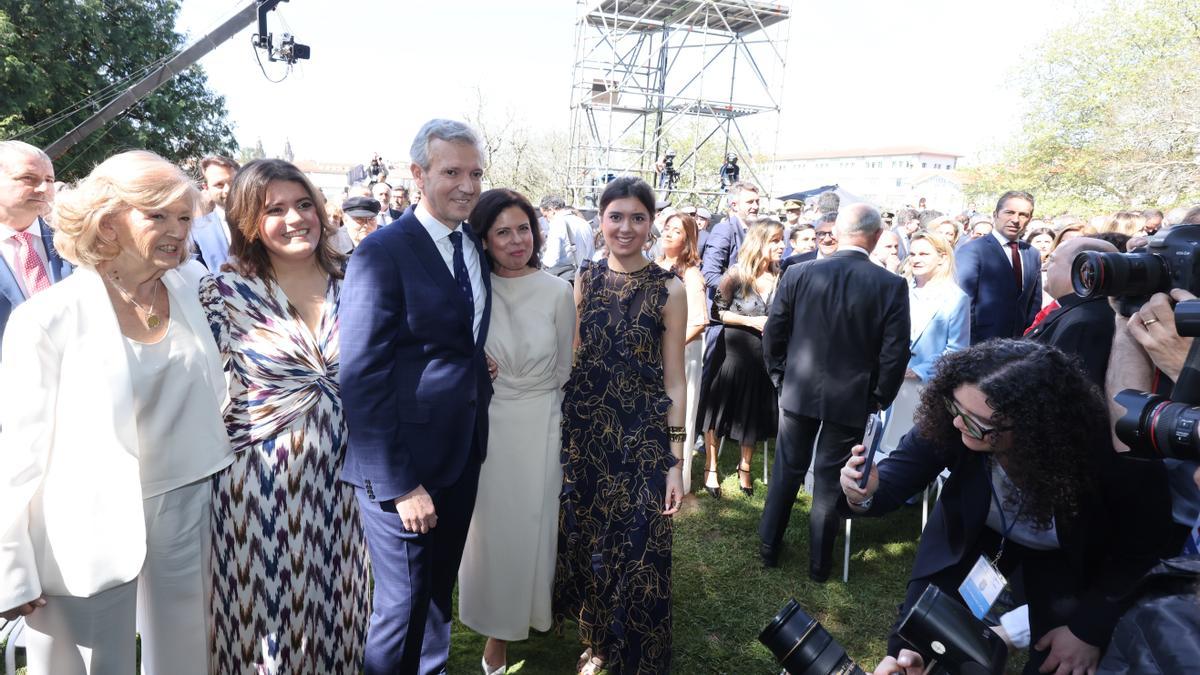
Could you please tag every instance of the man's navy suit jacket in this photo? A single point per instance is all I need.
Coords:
(720, 252)
(414, 382)
(10, 288)
(985, 274)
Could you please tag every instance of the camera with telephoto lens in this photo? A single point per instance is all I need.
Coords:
(944, 632)
(1160, 426)
(670, 175)
(1169, 261)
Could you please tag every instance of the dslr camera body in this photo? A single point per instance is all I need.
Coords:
(1154, 425)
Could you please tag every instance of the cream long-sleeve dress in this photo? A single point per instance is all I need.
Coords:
(507, 572)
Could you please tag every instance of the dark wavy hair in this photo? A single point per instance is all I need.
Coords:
(628, 186)
(489, 207)
(1058, 416)
(246, 208)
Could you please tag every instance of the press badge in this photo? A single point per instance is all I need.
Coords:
(982, 586)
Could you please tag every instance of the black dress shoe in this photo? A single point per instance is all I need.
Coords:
(769, 555)
(818, 576)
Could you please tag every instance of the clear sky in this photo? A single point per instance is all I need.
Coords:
(860, 72)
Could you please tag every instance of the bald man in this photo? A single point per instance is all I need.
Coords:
(1071, 323)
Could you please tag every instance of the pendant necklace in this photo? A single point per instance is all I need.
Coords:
(152, 320)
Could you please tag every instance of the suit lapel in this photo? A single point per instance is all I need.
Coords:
(431, 259)
(9, 286)
(59, 268)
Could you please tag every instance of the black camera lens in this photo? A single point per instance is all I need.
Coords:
(803, 647)
(1118, 274)
(1158, 427)
(950, 638)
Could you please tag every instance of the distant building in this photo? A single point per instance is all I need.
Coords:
(330, 177)
(892, 177)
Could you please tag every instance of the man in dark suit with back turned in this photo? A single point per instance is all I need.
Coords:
(836, 345)
(1002, 274)
(29, 263)
(415, 386)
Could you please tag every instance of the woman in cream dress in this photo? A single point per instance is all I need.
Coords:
(679, 255)
(507, 570)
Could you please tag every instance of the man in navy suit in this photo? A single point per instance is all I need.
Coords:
(210, 232)
(28, 261)
(414, 381)
(1002, 274)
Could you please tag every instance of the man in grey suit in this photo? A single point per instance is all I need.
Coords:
(28, 262)
(836, 346)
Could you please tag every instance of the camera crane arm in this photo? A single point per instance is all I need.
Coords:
(254, 10)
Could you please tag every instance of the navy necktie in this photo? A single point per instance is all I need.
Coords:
(461, 275)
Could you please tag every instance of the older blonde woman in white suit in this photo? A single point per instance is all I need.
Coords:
(111, 429)
(940, 320)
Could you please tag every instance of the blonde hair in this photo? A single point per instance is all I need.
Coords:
(945, 271)
(137, 179)
(751, 258)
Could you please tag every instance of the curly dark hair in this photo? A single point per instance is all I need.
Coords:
(1058, 417)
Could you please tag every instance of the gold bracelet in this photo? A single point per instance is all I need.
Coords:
(676, 434)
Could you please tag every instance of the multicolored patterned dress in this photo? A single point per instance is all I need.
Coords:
(289, 562)
(614, 553)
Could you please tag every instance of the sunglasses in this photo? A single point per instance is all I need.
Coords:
(973, 428)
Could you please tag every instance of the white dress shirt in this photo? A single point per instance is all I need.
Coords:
(440, 233)
(10, 247)
(569, 241)
(1004, 244)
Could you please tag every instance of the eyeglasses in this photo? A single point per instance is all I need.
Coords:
(824, 235)
(973, 428)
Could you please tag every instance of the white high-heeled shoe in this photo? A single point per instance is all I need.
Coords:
(502, 670)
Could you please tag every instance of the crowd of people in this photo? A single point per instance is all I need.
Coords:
(272, 433)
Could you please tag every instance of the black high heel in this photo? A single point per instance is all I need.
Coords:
(748, 491)
(714, 492)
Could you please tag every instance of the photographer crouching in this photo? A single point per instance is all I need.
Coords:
(1035, 489)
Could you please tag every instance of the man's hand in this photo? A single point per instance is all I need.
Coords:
(907, 663)
(23, 610)
(416, 511)
(1153, 326)
(1068, 654)
(674, 497)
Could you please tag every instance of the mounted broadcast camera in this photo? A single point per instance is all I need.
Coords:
(1169, 261)
(949, 638)
(1158, 426)
(668, 177)
(730, 171)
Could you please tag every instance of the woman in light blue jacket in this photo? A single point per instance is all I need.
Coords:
(941, 323)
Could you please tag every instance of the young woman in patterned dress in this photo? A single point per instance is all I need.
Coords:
(623, 438)
(289, 559)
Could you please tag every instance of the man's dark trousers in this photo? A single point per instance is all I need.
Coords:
(402, 638)
(803, 441)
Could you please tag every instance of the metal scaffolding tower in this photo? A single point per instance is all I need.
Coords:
(698, 79)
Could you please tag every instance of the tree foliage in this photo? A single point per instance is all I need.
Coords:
(55, 54)
(1113, 115)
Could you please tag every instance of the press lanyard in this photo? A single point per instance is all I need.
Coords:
(1006, 528)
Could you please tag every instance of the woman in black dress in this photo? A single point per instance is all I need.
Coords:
(623, 437)
(739, 402)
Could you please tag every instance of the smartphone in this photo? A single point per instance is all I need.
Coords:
(871, 440)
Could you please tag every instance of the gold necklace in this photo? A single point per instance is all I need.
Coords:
(152, 320)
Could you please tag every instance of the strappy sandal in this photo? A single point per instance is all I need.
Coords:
(588, 664)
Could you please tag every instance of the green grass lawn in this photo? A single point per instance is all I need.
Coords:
(723, 597)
